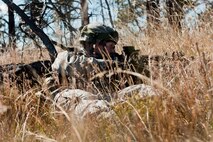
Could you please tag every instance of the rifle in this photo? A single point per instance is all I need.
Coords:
(141, 63)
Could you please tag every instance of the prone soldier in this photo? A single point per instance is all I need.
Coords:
(77, 68)
(97, 55)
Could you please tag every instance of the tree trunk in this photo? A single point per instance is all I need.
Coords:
(153, 13)
(12, 41)
(175, 13)
(132, 10)
(102, 11)
(45, 39)
(110, 15)
(84, 13)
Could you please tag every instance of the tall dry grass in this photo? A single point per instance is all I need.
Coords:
(181, 113)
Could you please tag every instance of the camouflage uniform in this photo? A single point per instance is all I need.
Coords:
(79, 68)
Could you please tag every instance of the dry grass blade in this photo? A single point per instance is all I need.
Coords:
(141, 120)
(24, 127)
(58, 106)
(40, 137)
(64, 113)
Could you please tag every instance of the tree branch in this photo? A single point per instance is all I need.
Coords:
(45, 39)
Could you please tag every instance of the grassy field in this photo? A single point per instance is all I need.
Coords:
(181, 113)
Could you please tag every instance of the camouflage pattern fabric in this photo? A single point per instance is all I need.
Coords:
(79, 68)
(141, 90)
(82, 104)
(76, 62)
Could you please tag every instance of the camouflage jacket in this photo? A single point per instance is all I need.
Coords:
(79, 69)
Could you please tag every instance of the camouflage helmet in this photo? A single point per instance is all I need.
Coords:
(98, 32)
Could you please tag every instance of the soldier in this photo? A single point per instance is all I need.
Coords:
(97, 55)
(76, 68)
